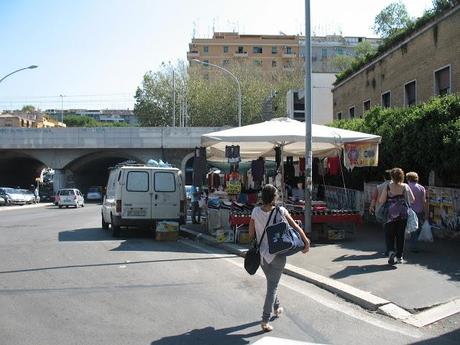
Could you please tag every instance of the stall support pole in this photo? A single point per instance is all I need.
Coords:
(283, 185)
(308, 121)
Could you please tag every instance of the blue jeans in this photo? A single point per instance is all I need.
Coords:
(272, 273)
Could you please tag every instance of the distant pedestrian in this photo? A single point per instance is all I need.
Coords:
(399, 197)
(272, 265)
(420, 206)
(375, 204)
(196, 210)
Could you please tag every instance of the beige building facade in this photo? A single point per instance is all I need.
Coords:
(424, 65)
(28, 121)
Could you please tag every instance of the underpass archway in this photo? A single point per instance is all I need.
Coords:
(19, 169)
(93, 169)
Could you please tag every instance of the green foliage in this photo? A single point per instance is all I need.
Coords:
(86, 121)
(212, 94)
(28, 109)
(398, 35)
(419, 138)
(342, 62)
(390, 19)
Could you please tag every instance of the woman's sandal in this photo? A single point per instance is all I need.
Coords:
(266, 327)
(278, 312)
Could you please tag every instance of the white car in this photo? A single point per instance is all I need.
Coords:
(69, 197)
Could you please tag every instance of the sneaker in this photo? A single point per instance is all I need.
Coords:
(400, 261)
(391, 259)
(266, 327)
(278, 312)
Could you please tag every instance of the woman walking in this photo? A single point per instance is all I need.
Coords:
(272, 265)
(399, 197)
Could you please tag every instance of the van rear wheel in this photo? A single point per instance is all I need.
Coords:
(105, 225)
(115, 229)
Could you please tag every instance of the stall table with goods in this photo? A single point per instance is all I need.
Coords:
(240, 216)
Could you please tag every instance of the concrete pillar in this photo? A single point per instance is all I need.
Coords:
(58, 179)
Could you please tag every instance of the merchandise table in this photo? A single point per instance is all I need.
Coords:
(355, 218)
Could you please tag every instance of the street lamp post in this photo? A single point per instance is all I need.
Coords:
(18, 70)
(62, 108)
(237, 82)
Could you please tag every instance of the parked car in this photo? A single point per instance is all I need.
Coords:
(2, 201)
(70, 197)
(12, 196)
(94, 194)
(29, 196)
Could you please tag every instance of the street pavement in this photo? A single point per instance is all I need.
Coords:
(63, 280)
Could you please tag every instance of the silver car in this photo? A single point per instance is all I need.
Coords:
(69, 197)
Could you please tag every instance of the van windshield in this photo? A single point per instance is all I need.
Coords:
(165, 182)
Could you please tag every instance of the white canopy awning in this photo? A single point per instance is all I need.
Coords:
(260, 139)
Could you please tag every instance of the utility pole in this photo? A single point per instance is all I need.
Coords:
(174, 98)
(308, 121)
(62, 108)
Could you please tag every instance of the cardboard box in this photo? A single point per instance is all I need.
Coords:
(167, 236)
(225, 236)
(167, 226)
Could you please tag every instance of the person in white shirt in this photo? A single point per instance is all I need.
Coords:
(272, 265)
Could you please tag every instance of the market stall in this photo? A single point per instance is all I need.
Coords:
(283, 140)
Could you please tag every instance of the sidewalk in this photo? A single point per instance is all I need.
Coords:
(356, 270)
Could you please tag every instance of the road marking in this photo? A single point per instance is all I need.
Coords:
(327, 302)
(281, 341)
(434, 314)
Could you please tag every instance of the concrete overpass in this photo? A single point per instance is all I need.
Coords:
(81, 156)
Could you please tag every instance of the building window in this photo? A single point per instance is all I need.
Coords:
(274, 63)
(206, 63)
(339, 115)
(240, 50)
(442, 81)
(339, 51)
(288, 50)
(410, 93)
(257, 50)
(225, 49)
(274, 50)
(366, 105)
(205, 49)
(324, 53)
(351, 112)
(386, 99)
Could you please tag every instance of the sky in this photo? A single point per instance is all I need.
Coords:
(95, 52)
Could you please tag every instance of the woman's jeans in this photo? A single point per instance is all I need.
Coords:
(395, 230)
(273, 273)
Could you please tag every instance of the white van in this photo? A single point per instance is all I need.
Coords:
(141, 195)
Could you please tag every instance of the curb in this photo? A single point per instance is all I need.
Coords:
(362, 298)
(25, 207)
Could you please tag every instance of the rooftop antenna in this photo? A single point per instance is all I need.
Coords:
(194, 29)
(213, 25)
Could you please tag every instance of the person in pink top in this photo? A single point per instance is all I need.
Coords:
(419, 206)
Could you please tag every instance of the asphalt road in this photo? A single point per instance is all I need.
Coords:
(63, 280)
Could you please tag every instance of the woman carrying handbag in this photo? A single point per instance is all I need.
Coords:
(271, 264)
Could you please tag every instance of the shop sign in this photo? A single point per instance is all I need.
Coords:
(361, 155)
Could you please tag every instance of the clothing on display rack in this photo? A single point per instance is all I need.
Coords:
(199, 166)
(333, 165)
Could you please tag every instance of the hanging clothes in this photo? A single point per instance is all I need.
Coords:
(199, 166)
(258, 169)
(333, 165)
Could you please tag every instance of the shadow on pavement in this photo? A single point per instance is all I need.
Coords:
(451, 338)
(441, 255)
(365, 269)
(210, 335)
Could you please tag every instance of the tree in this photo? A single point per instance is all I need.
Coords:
(80, 121)
(212, 94)
(28, 109)
(342, 62)
(391, 19)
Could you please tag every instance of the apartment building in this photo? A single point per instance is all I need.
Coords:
(273, 51)
(423, 65)
(28, 120)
